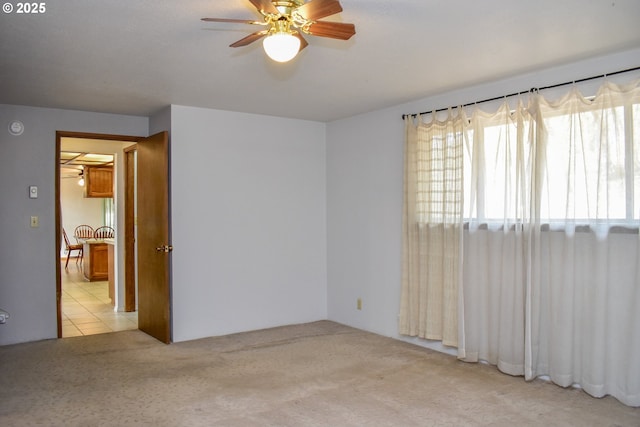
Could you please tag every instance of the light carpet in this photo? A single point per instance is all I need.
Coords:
(316, 374)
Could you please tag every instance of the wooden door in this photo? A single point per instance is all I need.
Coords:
(154, 247)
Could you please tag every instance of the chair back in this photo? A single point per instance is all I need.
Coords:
(67, 243)
(70, 248)
(83, 232)
(104, 232)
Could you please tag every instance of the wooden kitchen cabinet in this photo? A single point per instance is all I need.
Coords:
(95, 261)
(98, 181)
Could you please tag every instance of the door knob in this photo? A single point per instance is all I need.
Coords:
(164, 248)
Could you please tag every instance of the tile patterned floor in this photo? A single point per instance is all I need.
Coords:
(86, 307)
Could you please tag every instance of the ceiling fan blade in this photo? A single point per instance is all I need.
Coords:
(317, 9)
(265, 6)
(303, 42)
(237, 21)
(334, 30)
(249, 39)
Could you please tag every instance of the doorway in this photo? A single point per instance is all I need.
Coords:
(93, 303)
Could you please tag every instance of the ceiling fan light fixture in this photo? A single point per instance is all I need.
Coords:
(287, 21)
(281, 46)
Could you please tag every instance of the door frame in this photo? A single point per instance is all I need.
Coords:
(129, 235)
(130, 256)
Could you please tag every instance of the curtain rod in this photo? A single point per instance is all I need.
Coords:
(533, 89)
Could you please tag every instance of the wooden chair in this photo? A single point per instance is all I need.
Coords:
(70, 248)
(104, 232)
(83, 232)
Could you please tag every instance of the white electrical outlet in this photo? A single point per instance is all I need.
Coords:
(35, 222)
(3, 316)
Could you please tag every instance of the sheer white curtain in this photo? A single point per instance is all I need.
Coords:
(584, 290)
(551, 256)
(499, 156)
(432, 228)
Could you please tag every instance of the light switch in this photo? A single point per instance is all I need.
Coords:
(33, 191)
(35, 221)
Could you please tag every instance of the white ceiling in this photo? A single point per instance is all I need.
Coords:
(137, 56)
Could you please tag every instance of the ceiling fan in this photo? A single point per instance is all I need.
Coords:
(286, 20)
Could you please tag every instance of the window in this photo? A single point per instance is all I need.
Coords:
(109, 212)
(439, 177)
(577, 164)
